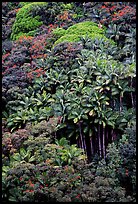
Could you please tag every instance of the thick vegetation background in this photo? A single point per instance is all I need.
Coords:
(69, 101)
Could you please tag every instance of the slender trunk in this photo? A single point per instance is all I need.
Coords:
(132, 99)
(79, 140)
(106, 136)
(91, 145)
(120, 104)
(84, 142)
(104, 142)
(81, 137)
(99, 141)
(112, 134)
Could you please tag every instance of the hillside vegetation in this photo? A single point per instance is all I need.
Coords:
(69, 101)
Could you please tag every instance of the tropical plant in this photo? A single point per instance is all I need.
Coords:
(75, 32)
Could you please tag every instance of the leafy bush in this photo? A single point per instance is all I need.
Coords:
(69, 102)
(9, 10)
(120, 162)
(120, 20)
(32, 15)
(11, 143)
(36, 155)
(38, 178)
(127, 169)
(21, 4)
(23, 62)
(25, 23)
(6, 46)
(111, 12)
(75, 32)
(126, 42)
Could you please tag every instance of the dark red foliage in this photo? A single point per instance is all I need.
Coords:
(11, 142)
(117, 12)
(24, 51)
(8, 18)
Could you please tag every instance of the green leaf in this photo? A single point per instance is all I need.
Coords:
(114, 93)
(5, 168)
(17, 118)
(23, 152)
(42, 118)
(97, 73)
(13, 199)
(107, 82)
(70, 117)
(89, 81)
(75, 113)
(69, 161)
(9, 124)
(110, 123)
(97, 87)
(39, 103)
(96, 120)
(5, 114)
(107, 88)
(32, 159)
(22, 102)
(41, 181)
(31, 111)
(100, 90)
(13, 129)
(87, 110)
(104, 124)
(85, 117)
(75, 120)
(123, 120)
(50, 100)
(71, 134)
(91, 113)
(16, 157)
(107, 103)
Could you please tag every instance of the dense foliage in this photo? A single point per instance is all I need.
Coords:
(69, 101)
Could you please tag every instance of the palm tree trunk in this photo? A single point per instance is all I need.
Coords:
(99, 141)
(84, 142)
(120, 104)
(91, 145)
(81, 137)
(78, 142)
(112, 138)
(81, 141)
(106, 136)
(103, 141)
